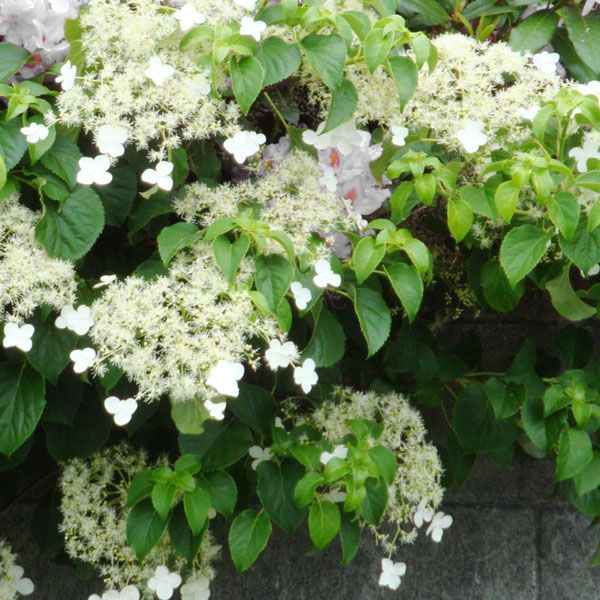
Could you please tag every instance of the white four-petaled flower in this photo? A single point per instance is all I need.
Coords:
(224, 377)
(423, 513)
(253, 28)
(20, 584)
(216, 410)
(195, 589)
(344, 138)
(399, 134)
(306, 376)
(471, 136)
(391, 573)
(528, 114)
(78, 320)
(158, 71)
(35, 132)
(121, 410)
(280, 355)
(129, 592)
(338, 452)
(546, 61)
(94, 170)
(302, 295)
(582, 154)
(188, 17)
(329, 180)
(110, 140)
(325, 275)
(82, 359)
(67, 76)
(16, 336)
(439, 522)
(105, 280)
(244, 144)
(259, 455)
(163, 582)
(161, 176)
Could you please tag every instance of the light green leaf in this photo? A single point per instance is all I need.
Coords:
(460, 218)
(564, 299)
(408, 285)
(278, 58)
(563, 210)
(374, 318)
(521, 250)
(506, 199)
(174, 238)
(377, 48)
(248, 537)
(63, 160)
(247, 78)
(328, 341)
(12, 58)
(196, 504)
(344, 100)
(326, 54)
(366, 257)
(323, 522)
(273, 277)
(583, 248)
(144, 528)
(229, 255)
(405, 73)
(534, 32)
(574, 453)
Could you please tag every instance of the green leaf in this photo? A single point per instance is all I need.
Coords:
(196, 505)
(408, 285)
(427, 12)
(373, 506)
(385, 461)
(478, 201)
(221, 444)
(117, 197)
(377, 48)
(344, 101)
(460, 218)
(589, 180)
(555, 399)
(589, 478)
(534, 32)
(326, 54)
(584, 33)
(248, 537)
(275, 488)
(328, 341)
(366, 257)
(506, 399)
(506, 199)
(184, 541)
(3, 173)
(140, 488)
(12, 143)
(51, 348)
(71, 231)
(323, 522)
(350, 531)
(273, 277)
(63, 160)
(497, 290)
(374, 318)
(574, 453)
(254, 406)
(222, 489)
(565, 300)
(21, 404)
(174, 238)
(12, 58)
(247, 78)
(229, 255)
(189, 416)
(522, 249)
(304, 491)
(359, 22)
(144, 528)
(563, 210)
(405, 74)
(162, 497)
(278, 58)
(583, 248)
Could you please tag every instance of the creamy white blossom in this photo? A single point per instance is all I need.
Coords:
(259, 455)
(528, 114)
(280, 355)
(129, 592)
(77, 320)
(325, 276)
(158, 71)
(35, 132)
(82, 359)
(68, 72)
(161, 176)
(216, 410)
(391, 573)
(329, 179)
(12, 582)
(546, 61)
(164, 582)
(121, 410)
(16, 336)
(439, 522)
(188, 16)
(305, 376)
(423, 513)
(247, 4)
(302, 295)
(471, 136)
(94, 170)
(110, 140)
(248, 26)
(591, 88)
(224, 377)
(244, 144)
(581, 154)
(399, 134)
(344, 138)
(105, 280)
(195, 589)
(340, 451)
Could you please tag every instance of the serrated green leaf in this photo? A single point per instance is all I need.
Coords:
(279, 59)
(374, 318)
(521, 250)
(174, 238)
(326, 54)
(247, 76)
(408, 285)
(248, 537)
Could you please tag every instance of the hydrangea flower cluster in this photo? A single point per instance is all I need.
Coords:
(13, 584)
(94, 514)
(29, 278)
(186, 330)
(289, 197)
(149, 89)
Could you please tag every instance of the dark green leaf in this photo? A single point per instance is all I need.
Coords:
(254, 406)
(323, 522)
(374, 318)
(344, 100)
(278, 58)
(248, 537)
(174, 238)
(534, 32)
(144, 528)
(117, 197)
(574, 453)
(247, 76)
(63, 160)
(196, 504)
(12, 58)
(408, 286)
(326, 54)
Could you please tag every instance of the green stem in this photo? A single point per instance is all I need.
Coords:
(276, 110)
